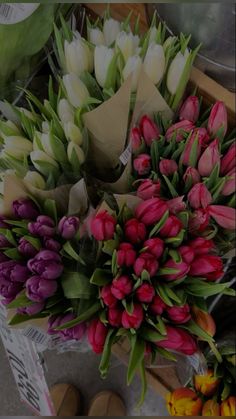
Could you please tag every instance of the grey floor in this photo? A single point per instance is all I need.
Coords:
(80, 369)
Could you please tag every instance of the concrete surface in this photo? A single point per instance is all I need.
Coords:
(80, 369)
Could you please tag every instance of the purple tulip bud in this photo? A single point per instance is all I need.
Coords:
(3, 258)
(68, 227)
(2, 223)
(31, 310)
(44, 226)
(47, 264)
(25, 209)
(52, 244)
(74, 333)
(9, 289)
(4, 242)
(13, 271)
(26, 248)
(39, 289)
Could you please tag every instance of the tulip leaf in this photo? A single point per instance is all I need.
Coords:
(86, 315)
(171, 294)
(150, 335)
(23, 224)
(162, 293)
(168, 271)
(128, 305)
(143, 382)
(217, 189)
(171, 188)
(20, 318)
(20, 301)
(109, 246)
(50, 209)
(207, 289)
(159, 225)
(13, 254)
(106, 355)
(76, 285)
(196, 330)
(114, 266)
(176, 241)
(166, 354)
(110, 81)
(34, 241)
(161, 326)
(92, 85)
(175, 255)
(136, 357)
(8, 235)
(213, 178)
(101, 277)
(71, 252)
(60, 49)
(145, 276)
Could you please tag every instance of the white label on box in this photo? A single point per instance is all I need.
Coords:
(126, 155)
(11, 13)
(27, 369)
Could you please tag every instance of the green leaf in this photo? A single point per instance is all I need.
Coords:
(86, 315)
(106, 355)
(34, 241)
(151, 335)
(114, 266)
(192, 327)
(213, 178)
(207, 289)
(171, 294)
(13, 254)
(167, 271)
(76, 285)
(128, 305)
(101, 277)
(21, 318)
(92, 85)
(110, 81)
(22, 224)
(176, 241)
(166, 354)
(145, 276)
(71, 252)
(159, 225)
(175, 255)
(171, 188)
(164, 296)
(60, 49)
(143, 382)
(136, 357)
(161, 326)
(9, 236)
(20, 301)
(184, 218)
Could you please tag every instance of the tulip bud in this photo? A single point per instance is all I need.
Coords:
(32, 309)
(192, 150)
(26, 248)
(201, 246)
(168, 167)
(199, 220)
(145, 293)
(228, 162)
(217, 119)
(204, 320)
(146, 262)
(133, 66)
(107, 296)
(68, 227)
(230, 185)
(17, 147)
(73, 133)
(39, 289)
(148, 189)
(25, 209)
(44, 163)
(154, 246)
(75, 154)
(178, 130)
(176, 205)
(13, 271)
(103, 57)
(151, 211)
(142, 164)
(73, 333)
(135, 231)
(190, 109)
(172, 227)
(207, 266)
(97, 333)
(127, 44)
(184, 402)
(114, 317)
(211, 408)
(191, 176)
(206, 384)
(77, 92)
(9, 290)
(179, 314)
(4, 242)
(65, 111)
(111, 29)
(35, 179)
(224, 216)
(154, 62)
(78, 57)
(186, 253)
(47, 264)
(199, 196)
(158, 306)
(175, 71)
(209, 159)
(149, 129)
(103, 226)
(134, 320)
(182, 269)
(95, 36)
(126, 255)
(135, 138)
(228, 407)
(178, 340)
(121, 287)
(44, 226)
(51, 244)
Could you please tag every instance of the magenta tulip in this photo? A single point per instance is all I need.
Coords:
(114, 317)
(145, 293)
(149, 129)
(209, 159)
(224, 216)
(201, 246)
(121, 287)
(97, 333)
(142, 164)
(135, 231)
(126, 255)
(103, 226)
(149, 189)
(179, 129)
(150, 212)
(230, 184)
(134, 320)
(154, 246)
(107, 297)
(228, 162)
(178, 340)
(168, 167)
(135, 138)
(181, 268)
(192, 176)
(186, 253)
(176, 205)
(147, 262)
(190, 109)
(172, 227)
(179, 314)
(199, 196)
(199, 220)
(207, 266)
(198, 137)
(158, 306)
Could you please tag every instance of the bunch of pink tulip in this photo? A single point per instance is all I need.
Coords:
(192, 162)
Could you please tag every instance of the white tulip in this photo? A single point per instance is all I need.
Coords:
(65, 111)
(18, 147)
(111, 28)
(133, 66)
(102, 59)
(78, 57)
(176, 70)
(95, 36)
(37, 145)
(29, 114)
(43, 163)
(45, 127)
(127, 43)
(8, 128)
(35, 179)
(73, 133)
(46, 144)
(75, 152)
(154, 62)
(76, 90)
(169, 42)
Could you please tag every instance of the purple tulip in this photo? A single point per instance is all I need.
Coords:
(26, 248)
(7, 301)
(3, 258)
(4, 242)
(43, 226)
(47, 264)
(9, 289)
(25, 209)
(31, 310)
(68, 227)
(39, 289)
(13, 271)
(74, 333)
(52, 244)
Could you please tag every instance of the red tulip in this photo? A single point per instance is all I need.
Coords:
(179, 340)
(176, 205)
(186, 253)
(168, 167)
(224, 216)
(135, 138)
(145, 293)
(97, 334)
(149, 212)
(142, 164)
(190, 109)
(217, 119)
(199, 220)
(228, 162)
(182, 269)
(158, 306)
(209, 159)
(148, 262)
(201, 246)
(126, 255)
(154, 246)
(199, 196)
(121, 287)
(114, 317)
(179, 314)
(179, 129)
(148, 189)
(107, 296)
(207, 266)
(103, 226)
(149, 130)
(135, 231)
(191, 174)
(134, 320)
(172, 227)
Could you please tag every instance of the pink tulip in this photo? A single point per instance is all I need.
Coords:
(147, 262)
(168, 167)
(135, 138)
(190, 109)
(207, 266)
(158, 306)
(154, 246)
(150, 212)
(126, 255)
(224, 216)
(199, 220)
(191, 174)
(114, 317)
(103, 226)
(171, 227)
(134, 320)
(186, 253)
(107, 296)
(230, 185)
(135, 231)
(199, 196)
(176, 205)
(179, 314)
(142, 164)
(148, 189)
(145, 293)
(149, 130)
(217, 119)
(121, 287)
(179, 129)
(209, 159)
(228, 162)
(201, 246)
(178, 340)
(181, 268)
(199, 134)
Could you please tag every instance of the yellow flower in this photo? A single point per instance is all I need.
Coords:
(184, 402)
(228, 407)
(211, 408)
(206, 384)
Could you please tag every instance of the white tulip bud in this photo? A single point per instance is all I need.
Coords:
(127, 43)
(76, 90)
(43, 163)
(95, 36)
(37, 145)
(154, 62)
(75, 152)
(45, 127)
(111, 28)
(35, 179)
(133, 66)
(73, 133)
(78, 57)
(8, 128)
(65, 111)
(18, 147)
(102, 60)
(176, 70)
(46, 144)
(29, 114)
